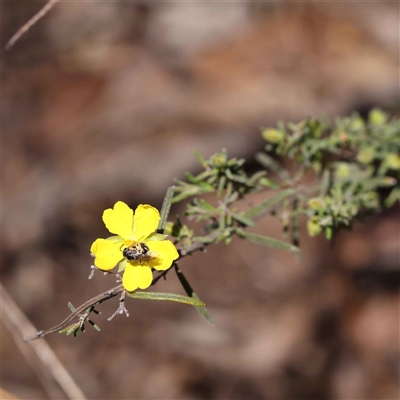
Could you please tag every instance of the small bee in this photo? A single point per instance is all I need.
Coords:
(140, 251)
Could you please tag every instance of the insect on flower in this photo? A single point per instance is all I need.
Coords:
(138, 252)
(136, 249)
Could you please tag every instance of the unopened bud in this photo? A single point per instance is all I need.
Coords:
(273, 135)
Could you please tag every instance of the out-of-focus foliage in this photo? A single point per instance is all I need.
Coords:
(353, 165)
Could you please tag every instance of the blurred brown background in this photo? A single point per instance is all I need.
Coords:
(107, 101)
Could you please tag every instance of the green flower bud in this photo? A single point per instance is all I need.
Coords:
(356, 124)
(218, 160)
(377, 117)
(316, 203)
(316, 129)
(366, 155)
(273, 135)
(313, 226)
(393, 161)
(343, 170)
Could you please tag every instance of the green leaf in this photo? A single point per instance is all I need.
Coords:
(207, 206)
(234, 177)
(266, 241)
(258, 209)
(179, 298)
(201, 159)
(379, 181)
(224, 235)
(188, 289)
(269, 163)
(191, 190)
(95, 326)
(165, 209)
(231, 198)
(206, 174)
(70, 328)
(221, 185)
(257, 176)
(269, 183)
(202, 239)
(191, 178)
(393, 197)
(243, 219)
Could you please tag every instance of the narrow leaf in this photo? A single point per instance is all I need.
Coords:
(234, 177)
(205, 205)
(188, 289)
(393, 197)
(258, 209)
(191, 178)
(200, 158)
(206, 174)
(266, 241)
(165, 209)
(179, 298)
(202, 239)
(221, 185)
(243, 219)
(269, 163)
(95, 326)
(231, 198)
(192, 190)
(258, 175)
(269, 183)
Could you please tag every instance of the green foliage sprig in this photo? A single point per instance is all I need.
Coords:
(341, 172)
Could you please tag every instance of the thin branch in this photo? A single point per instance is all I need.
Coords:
(50, 366)
(108, 294)
(24, 28)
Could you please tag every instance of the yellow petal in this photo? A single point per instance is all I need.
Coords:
(119, 220)
(146, 221)
(136, 276)
(107, 254)
(165, 252)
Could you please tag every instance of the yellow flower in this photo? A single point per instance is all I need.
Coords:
(136, 248)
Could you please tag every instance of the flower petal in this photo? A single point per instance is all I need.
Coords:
(136, 276)
(107, 254)
(146, 220)
(165, 253)
(119, 220)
